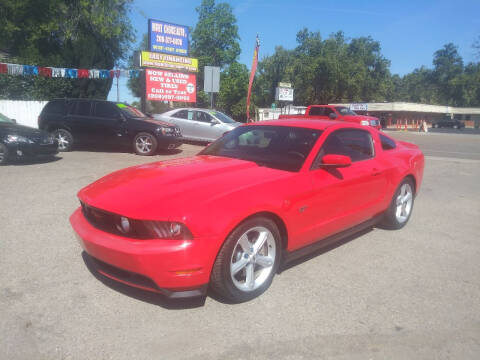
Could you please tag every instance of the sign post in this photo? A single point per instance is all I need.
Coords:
(211, 83)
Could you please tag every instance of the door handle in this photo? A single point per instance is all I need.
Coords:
(376, 172)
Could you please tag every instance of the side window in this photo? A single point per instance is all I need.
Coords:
(387, 143)
(202, 116)
(106, 110)
(316, 111)
(55, 107)
(182, 114)
(81, 108)
(327, 111)
(357, 144)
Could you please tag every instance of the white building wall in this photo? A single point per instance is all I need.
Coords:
(25, 112)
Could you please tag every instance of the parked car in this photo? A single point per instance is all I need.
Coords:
(83, 121)
(448, 122)
(199, 124)
(334, 112)
(263, 194)
(17, 141)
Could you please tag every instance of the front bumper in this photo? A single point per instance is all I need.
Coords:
(175, 268)
(169, 142)
(30, 150)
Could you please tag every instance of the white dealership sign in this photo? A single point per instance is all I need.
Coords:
(359, 107)
(284, 94)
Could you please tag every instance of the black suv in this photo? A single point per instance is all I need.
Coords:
(447, 122)
(86, 121)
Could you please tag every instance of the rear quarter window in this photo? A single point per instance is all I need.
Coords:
(54, 107)
(387, 143)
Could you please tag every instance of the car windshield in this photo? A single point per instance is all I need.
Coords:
(131, 111)
(345, 111)
(222, 117)
(278, 147)
(3, 118)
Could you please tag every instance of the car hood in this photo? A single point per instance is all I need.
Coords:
(15, 129)
(172, 189)
(156, 122)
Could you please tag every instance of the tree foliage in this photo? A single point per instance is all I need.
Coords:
(214, 40)
(62, 33)
(326, 71)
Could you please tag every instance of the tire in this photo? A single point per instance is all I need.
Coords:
(3, 154)
(64, 139)
(247, 261)
(401, 206)
(145, 144)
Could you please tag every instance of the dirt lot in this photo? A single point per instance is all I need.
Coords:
(407, 294)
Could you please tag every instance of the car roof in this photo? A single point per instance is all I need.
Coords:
(309, 124)
(87, 99)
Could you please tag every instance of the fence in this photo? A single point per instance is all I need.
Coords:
(25, 112)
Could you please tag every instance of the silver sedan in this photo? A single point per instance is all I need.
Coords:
(199, 124)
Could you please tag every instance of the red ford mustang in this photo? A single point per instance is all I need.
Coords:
(261, 195)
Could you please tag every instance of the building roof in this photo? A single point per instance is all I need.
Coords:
(414, 107)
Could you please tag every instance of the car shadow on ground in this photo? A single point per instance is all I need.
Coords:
(34, 160)
(189, 303)
(121, 149)
(143, 295)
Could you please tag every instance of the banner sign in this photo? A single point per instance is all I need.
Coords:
(167, 38)
(284, 94)
(170, 86)
(166, 61)
(359, 107)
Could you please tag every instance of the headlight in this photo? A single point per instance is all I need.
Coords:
(168, 230)
(166, 130)
(18, 139)
(364, 122)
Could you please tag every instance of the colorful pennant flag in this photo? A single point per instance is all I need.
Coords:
(31, 70)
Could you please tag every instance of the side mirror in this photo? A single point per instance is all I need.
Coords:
(214, 121)
(337, 161)
(332, 116)
(14, 121)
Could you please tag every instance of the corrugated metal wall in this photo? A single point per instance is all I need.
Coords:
(25, 112)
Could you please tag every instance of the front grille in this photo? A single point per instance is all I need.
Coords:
(102, 220)
(177, 132)
(110, 223)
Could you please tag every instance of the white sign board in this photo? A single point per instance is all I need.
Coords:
(211, 81)
(284, 94)
(359, 107)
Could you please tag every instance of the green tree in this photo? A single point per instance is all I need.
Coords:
(327, 71)
(62, 33)
(447, 73)
(214, 40)
(233, 95)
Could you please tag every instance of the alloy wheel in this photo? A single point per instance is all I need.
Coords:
(144, 144)
(62, 140)
(404, 203)
(2, 154)
(253, 258)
